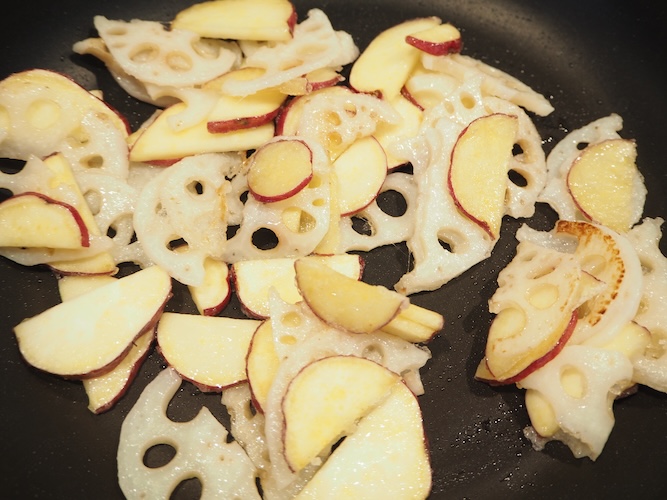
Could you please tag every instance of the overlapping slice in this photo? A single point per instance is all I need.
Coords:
(289, 119)
(209, 351)
(214, 293)
(290, 227)
(571, 388)
(36, 220)
(477, 177)
(43, 108)
(105, 390)
(337, 117)
(159, 140)
(253, 279)
(579, 385)
(234, 113)
(314, 45)
(606, 185)
(184, 202)
(239, 19)
(538, 294)
(592, 176)
(314, 80)
(542, 287)
(262, 363)
(344, 302)
(359, 307)
(360, 170)
(108, 320)
(610, 258)
(439, 40)
(387, 455)
(63, 181)
(325, 400)
(280, 169)
(294, 336)
(630, 341)
(54, 179)
(384, 66)
(153, 54)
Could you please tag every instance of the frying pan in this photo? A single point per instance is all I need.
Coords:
(591, 58)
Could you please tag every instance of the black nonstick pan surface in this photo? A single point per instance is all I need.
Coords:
(589, 57)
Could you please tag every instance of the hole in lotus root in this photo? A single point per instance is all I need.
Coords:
(195, 188)
(332, 118)
(468, 101)
(187, 489)
(291, 217)
(452, 240)
(287, 339)
(540, 272)
(291, 319)
(350, 109)
(508, 323)
(208, 49)
(647, 266)
(159, 455)
(573, 382)
(392, 203)
(594, 264)
(10, 166)
(264, 239)
(94, 201)
(92, 161)
(543, 296)
(374, 352)
(43, 113)
(145, 53)
(79, 137)
(333, 140)
(517, 179)
(361, 225)
(232, 230)
(177, 243)
(179, 61)
(445, 245)
(315, 181)
(307, 222)
(658, 345)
